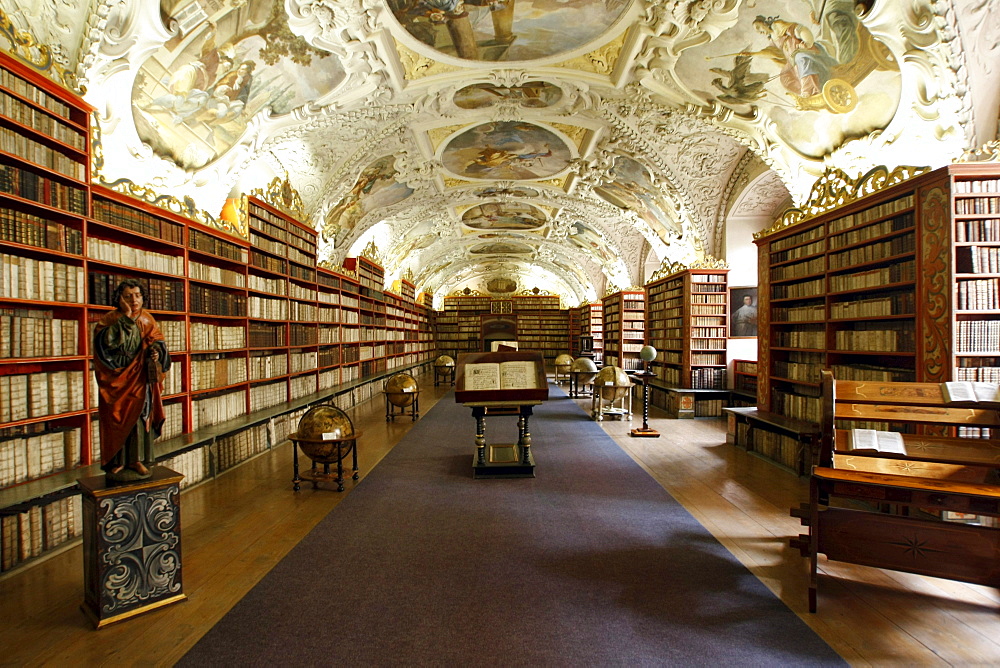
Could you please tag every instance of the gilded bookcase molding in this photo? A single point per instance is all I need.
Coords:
(835, 189)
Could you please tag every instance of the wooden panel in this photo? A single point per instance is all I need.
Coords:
(955, 551)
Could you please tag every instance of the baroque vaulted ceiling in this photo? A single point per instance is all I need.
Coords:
(572, 146)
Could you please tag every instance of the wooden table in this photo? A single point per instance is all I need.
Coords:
(508, 460)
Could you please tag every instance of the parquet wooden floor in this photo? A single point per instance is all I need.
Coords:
(241, 524)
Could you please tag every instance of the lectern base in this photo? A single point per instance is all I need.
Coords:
(504, 461)
(644, 433)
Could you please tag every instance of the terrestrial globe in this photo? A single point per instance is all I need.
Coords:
(586, 370)
(564, 360)
(317, 430)
(400, 389)
(619, 386)
(444, 361)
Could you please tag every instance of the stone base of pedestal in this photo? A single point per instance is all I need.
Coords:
(131, 546)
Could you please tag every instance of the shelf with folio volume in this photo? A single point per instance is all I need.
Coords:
(623, 317)
(249, 344)
(687, 322)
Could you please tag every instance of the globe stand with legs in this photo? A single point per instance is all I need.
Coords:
(402, 396)
(326, 435)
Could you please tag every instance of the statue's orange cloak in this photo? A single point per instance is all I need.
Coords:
(123, 391)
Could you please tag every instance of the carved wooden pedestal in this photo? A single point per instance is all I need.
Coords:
(131, 545)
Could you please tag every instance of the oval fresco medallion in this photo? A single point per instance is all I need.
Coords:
(193, 98)
(501, 248)
(813, 68)
(506, 150)
(504, 216)
(532, 95)
(506, 30)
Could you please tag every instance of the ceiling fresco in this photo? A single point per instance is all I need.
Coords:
(193, 98)
(504, 216)
(531, 95)
(563, 145)
(506, 30)
(506, 151)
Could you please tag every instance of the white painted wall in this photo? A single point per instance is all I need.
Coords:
(741, 255)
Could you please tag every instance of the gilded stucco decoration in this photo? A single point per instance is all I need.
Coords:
(665, 117)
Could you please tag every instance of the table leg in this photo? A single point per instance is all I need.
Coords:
(296, 480)
(524, 436)
(354, 449)
(480, 414)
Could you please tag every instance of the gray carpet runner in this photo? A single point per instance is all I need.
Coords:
(591, 563)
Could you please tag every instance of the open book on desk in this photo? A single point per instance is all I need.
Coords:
(872, 441)
(959, 391)
(511, 375)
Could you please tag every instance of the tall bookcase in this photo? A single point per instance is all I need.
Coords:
(44, 357)
(256, 333)
(687, 323)
(898, 285)
(592, 325)
(623, 316)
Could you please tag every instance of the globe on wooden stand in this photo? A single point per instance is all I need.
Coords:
(326, 435)
(401, 391)
(582, 373)
(612, 385)
(647, 355)
(563, 364)
(444, 370)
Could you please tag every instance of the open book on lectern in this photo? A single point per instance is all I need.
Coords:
(511, 375)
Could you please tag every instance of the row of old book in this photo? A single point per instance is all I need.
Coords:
(42, 528)
(40, 280)
(27, 333)
(33, 456)
(238, 447)
(34, 395)
(24, 228)
(137, 220)
(40, 154)
(137, 258)
(28, 185)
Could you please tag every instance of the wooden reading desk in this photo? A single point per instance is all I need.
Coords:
(889, 510)
(507, 460)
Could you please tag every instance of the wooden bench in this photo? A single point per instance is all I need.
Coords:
(889, 510)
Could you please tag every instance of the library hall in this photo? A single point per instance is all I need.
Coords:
(500, 332)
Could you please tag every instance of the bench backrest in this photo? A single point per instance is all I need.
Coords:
(908, 403)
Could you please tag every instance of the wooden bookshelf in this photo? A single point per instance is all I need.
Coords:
(745, 379)
(687, 323)
(256, 331)
(889, 287)
(623, 317)
(545, 331)
(592, 325)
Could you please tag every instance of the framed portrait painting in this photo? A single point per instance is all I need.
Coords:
(743, 312)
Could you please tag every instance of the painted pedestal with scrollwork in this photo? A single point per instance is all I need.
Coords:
(131, 545)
